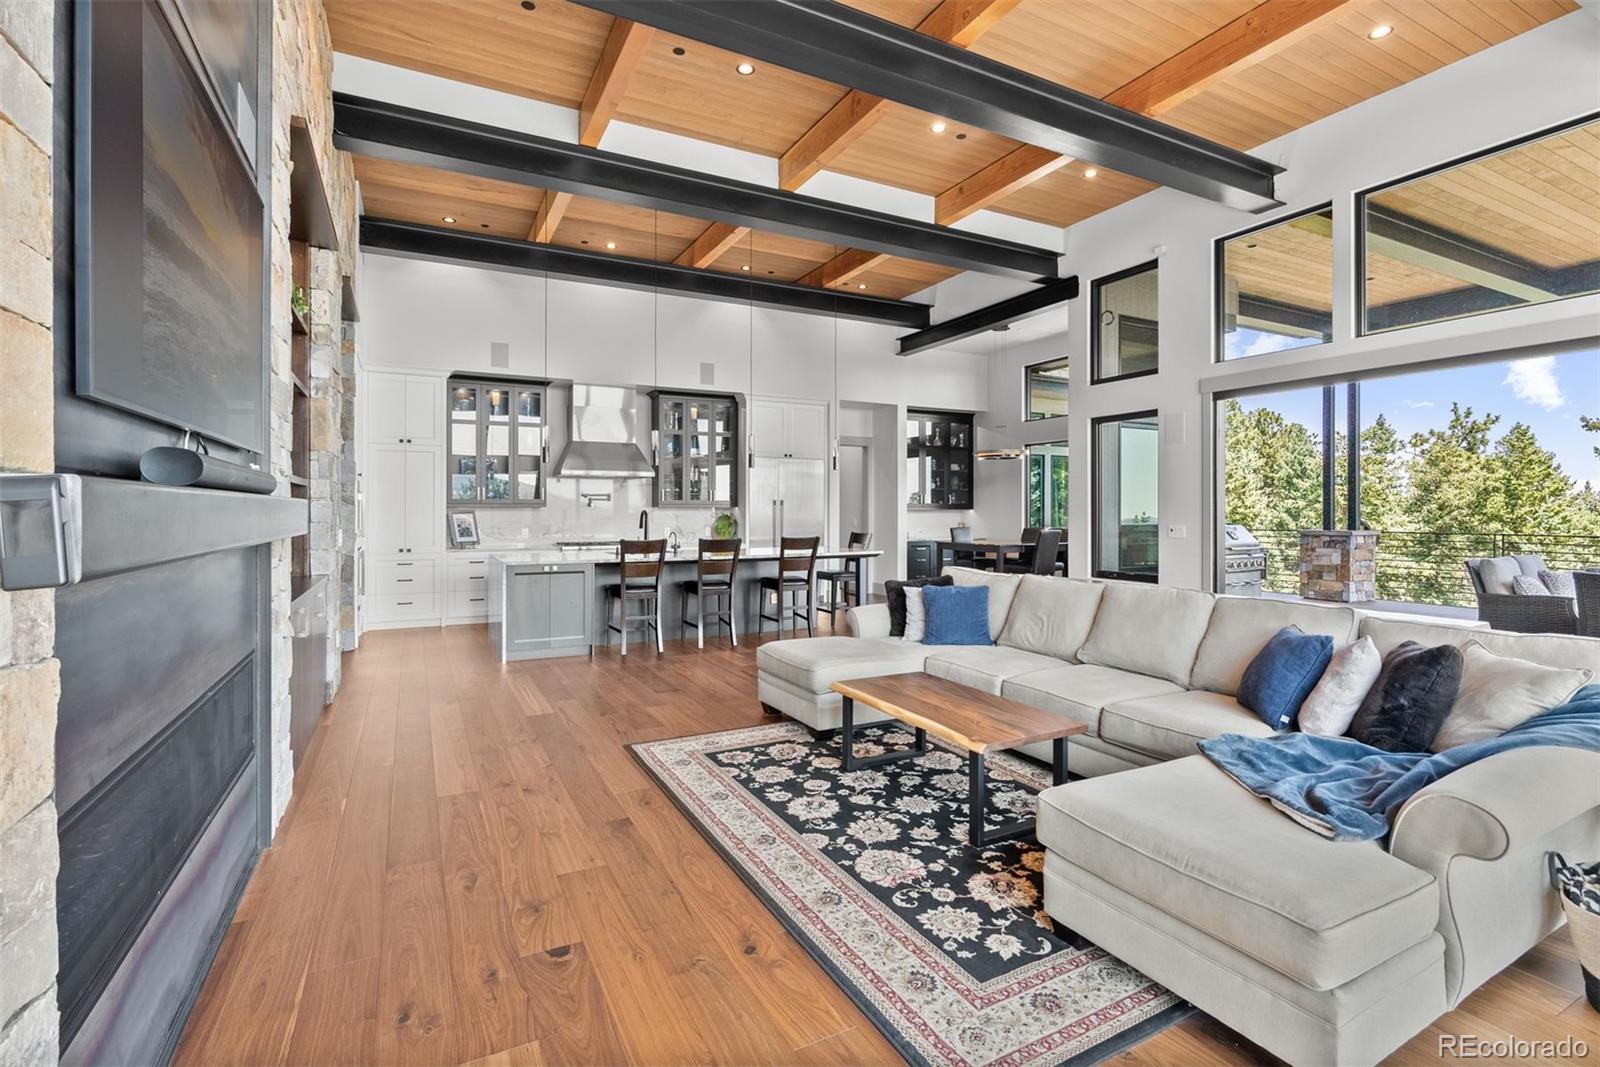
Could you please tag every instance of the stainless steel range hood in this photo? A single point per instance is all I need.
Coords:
(605, 434)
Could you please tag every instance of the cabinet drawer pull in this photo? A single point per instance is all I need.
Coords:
(403, 603)
(475, 577)
(474, 600)
(400, 581)
(405, 564)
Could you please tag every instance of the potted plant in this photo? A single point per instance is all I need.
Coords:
(725, 525)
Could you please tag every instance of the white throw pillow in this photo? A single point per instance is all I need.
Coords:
(1333, 704)
(1499, 692)
(916, 614)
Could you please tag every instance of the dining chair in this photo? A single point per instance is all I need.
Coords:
(844, 577)
(642, 564)
(1040, 556)
(797, 572)
(715, 571)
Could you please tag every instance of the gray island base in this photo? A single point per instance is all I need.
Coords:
(551, 602)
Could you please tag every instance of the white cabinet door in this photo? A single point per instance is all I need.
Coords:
(808, 431)
(424, 410)
(385, 408)
(423, 501)
(804, 491)
(386, 497)
(769, 427)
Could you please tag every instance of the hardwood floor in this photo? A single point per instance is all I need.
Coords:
(475, 870)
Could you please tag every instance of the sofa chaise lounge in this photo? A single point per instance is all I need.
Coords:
(1321, 952)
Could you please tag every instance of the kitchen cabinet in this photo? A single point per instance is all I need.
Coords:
(921, 560)
(404, 505)
(466, 586)
(697, 450)
(789, 429)
(939, 458)
(404, 408)
(547, 611)
(499, 442)
(788, 498)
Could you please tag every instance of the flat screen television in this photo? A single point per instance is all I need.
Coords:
(170, 236)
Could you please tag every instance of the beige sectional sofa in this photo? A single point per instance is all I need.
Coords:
(1321, 952)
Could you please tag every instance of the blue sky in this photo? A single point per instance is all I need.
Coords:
(1546, 392)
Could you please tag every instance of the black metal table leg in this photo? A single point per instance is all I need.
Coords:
(1058, 761)
(975, 777)
(847, 712)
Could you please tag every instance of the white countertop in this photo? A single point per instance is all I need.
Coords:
(683, 555)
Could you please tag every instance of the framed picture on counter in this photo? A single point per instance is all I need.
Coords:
(463, 529)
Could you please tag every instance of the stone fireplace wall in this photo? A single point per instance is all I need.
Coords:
(302, 80)
(30, 685)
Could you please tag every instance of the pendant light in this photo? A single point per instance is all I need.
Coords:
(835, 412)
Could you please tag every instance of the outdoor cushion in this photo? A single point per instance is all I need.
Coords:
(986, 666)
(1149, 629)
(815, 663)
(1496, 574)
(1553, 650)
(1002, 589)
(1183, 837)
(1170, 726)
(1079, 691)
(1052, 616)
(1241, 626)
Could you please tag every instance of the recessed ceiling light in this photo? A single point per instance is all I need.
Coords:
(678, 51)
(611, 244)
(528, 5)
(938, 126)
(485, 225)
(746, 69)
(961, 137)
(1380, 31)
(1090, 172)
(449, 218)
(861, 285)
(745, 267)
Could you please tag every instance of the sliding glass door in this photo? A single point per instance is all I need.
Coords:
(1127, 542)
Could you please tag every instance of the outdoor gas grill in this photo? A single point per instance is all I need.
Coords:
(1244, 562)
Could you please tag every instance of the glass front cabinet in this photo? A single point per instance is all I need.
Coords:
(498, 443)
(939, 460)
(697, 450)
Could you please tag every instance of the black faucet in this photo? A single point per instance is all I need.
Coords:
(644, 524)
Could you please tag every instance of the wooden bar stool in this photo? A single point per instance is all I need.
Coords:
(713, 580)
(797, 573)
(844, 577)
(642, 565)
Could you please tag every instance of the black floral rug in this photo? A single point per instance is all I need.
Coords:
(945, 946)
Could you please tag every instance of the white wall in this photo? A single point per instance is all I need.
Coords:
(1539, 79)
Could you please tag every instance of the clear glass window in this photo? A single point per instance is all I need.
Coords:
(1127, 527)
(1125, 333)
(1047, 389)
(1276, 287)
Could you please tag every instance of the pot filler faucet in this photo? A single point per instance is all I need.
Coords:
(644, 524)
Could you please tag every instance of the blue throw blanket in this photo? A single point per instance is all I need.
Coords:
(1350, 791)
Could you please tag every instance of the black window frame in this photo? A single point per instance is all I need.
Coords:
(1095, 569)
(1095, 288)
(1027, 389)
(1219, 279)
(1360, 222)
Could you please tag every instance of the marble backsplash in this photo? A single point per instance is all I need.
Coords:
(576, 509)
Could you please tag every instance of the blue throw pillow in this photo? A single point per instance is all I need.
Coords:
(957, 614)
(1283, 674)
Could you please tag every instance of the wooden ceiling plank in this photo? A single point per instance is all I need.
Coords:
(1253, 36)
(843, 267)
(618, 60)
(959, 22)
(707, 248)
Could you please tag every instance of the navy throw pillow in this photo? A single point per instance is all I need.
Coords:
(1409, 702)
(896, 592)
(1283, 674)
(957, 615)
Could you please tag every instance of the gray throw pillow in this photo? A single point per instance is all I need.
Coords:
(1560, 583)
(1411, 698)
(1496, 574)
(1526, 585)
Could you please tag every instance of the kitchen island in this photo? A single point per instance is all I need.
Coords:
(551, 601)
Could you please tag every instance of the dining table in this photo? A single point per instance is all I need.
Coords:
(998, 549)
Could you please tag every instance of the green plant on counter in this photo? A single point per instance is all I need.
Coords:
(725, 525)
(299, 301)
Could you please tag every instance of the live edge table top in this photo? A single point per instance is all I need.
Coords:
(977, 721)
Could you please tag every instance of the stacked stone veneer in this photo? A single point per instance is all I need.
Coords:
(302, 80)
(29, 675)
(1339, 565)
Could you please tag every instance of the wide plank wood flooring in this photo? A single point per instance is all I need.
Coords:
(474, 870)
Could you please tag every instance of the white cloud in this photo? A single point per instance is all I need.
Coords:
(1420, 405)
(1534, 382)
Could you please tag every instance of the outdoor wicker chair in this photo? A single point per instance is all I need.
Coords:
(1523, 614)
(1588, 583)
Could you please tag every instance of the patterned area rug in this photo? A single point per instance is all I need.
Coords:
(945, 946)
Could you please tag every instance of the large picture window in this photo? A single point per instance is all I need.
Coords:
(1124, 332)
(1047, 389)
(1127, 542)
(1275, 287)
(1516, 225)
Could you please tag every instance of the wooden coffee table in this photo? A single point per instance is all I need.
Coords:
(976, 721)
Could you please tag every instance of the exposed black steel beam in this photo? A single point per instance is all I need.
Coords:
(1292, 316)
(839, 44)
(389, 131)
(1002, 313)
(432, 242)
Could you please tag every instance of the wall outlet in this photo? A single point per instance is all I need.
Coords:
(1177, 530)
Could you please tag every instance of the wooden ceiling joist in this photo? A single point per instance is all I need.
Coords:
(1252, 37)
(619, 58)
(711, 244)
(843, 267)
